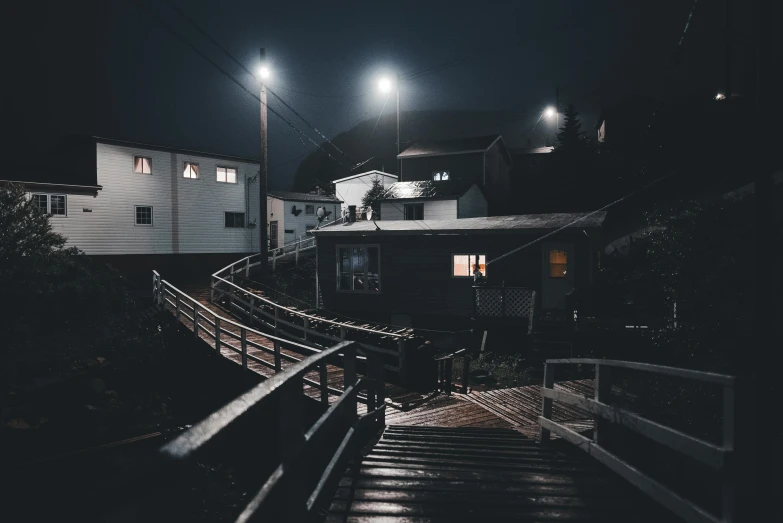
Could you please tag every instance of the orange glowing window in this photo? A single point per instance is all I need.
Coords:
(463, 265)
(558, 264)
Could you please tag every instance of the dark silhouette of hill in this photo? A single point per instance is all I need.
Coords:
(378, 150)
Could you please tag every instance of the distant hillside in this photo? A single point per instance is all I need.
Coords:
(319, 169)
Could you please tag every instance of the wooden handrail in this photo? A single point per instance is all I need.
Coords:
(717, 457)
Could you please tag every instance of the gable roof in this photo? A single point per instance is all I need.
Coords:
(422, 189)
(374, 173)
(484, 225)
(302, 197)
(166, 148)
(443, 147)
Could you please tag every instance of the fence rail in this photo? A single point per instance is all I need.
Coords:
(717, 457)
(504, 303)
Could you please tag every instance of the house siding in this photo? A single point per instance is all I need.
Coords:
(433, 209)
(188, 215)
(280, 210)
(466, 169)
(472, 204)
(352, 191)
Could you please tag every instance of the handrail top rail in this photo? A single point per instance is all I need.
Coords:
(236, 324)
(200, 433)
(697, 375)
(308, 316)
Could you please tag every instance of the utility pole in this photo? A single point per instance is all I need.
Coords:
(728, 49)
(399, 166)
(262, 175)
(557, 111)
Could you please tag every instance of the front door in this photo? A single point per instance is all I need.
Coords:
(558, 273)
(273, 235)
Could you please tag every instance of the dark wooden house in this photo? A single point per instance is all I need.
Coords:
(420, 273)
(463, 162)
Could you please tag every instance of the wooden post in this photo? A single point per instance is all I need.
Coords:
(176, 313)
(402, 361)
(343, 333)
(465, 372)
(247, 267)
(217, 335)
(306, 326)
(729, 470)
(277, 314)
(291, 442)
(449, 368)
(274, 259)
(195, 319)
(278, 365)
(252, 311)
(211, 289)
(324, 382)
(243, 342)
(603, 389)
(546, 408)
(161, 292)
(377, 373)
(297, 253)
(349, 377)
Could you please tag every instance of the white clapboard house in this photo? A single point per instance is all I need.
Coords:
(352, 189)
(291, 215)
(142, 204)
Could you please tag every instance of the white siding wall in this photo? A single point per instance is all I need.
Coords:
(287, 220)
(472, 204)
(352, 191)
(433, 210)
(188, 214)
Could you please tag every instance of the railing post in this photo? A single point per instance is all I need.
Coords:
(402, 360)
(449, 369)
(217, 335)
(324, 383)
(247, 267)
(161, 292)
(349, 378)
(291, 442)
(243, 344)
(176, 313)
(465, 372)
(278, 365)
(252, 310)
(342, 333)
(212, 289)
(729, 471)
(603, 389)
(306, 326)
(546, 408)
(375, 372)
(277, 314)
(297, 253)
(274, 259)
(195, 319)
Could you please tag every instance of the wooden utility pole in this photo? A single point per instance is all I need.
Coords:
(262, 174)
(399, 166)
(728, 50)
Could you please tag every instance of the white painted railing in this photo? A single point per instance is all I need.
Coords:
(717, 457)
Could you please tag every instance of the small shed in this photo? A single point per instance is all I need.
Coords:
(291, 215)
(352, 189)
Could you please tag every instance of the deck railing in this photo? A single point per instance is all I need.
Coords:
(308, 460)
(445, 373)
(717, 457)
(257, 309)
(492, 303)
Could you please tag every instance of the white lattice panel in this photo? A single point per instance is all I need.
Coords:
(489, 302)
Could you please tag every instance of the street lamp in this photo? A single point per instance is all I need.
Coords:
(385, 86)
(263, 72)
(549, 112)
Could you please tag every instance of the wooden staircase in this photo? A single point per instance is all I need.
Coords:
(467, 474)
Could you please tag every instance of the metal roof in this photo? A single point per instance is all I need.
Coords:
(374, 173)
(421, 189)
(483, 225)
(302, 197)
(473, 144)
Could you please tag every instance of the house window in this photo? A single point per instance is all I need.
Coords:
(191, 170)
(235, 219)
(358, 268)
(440, 176)
(144, 215)
(309, 209)
(414, 211)
(290, 231)
(42, 201)
(227, 174)
(142, 165)
(462, 265)
(558, 264)
(57, 205)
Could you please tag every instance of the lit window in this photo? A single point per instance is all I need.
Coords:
(235, 219)
(57, 205)
(358, 268)
(42, 202)
(142, 165)
(144, 215)
(191, 170)
(309, 209)
(463, 265)
(414, 211)
(440, 176)
(558, 264)
(227, 174)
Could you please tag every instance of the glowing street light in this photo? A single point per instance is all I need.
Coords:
(385, 85)
(264, 72)
(720, 96)
(549, 112)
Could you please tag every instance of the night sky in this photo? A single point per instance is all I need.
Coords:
(127, 77)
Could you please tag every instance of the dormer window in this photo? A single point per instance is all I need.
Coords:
(440, 176)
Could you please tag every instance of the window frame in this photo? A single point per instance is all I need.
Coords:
(468, 254)
(225, 215)
(185, 165)
(549, 264)
(46, 195)
(226, 168)
(440, 176)
(135, 156)
(405, 210)
(337, 266)
(65, 205)
(308, 209)
(135, 216)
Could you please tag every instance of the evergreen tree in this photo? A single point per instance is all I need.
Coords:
(372, 198)
(570, 137)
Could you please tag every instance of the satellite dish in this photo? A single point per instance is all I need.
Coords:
(369, 213)
(320, 212)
